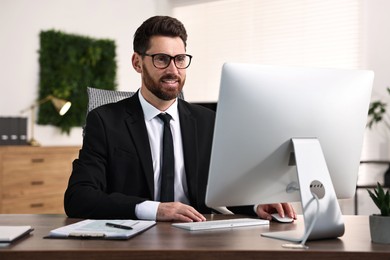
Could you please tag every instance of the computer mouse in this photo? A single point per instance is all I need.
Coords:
(276, 217)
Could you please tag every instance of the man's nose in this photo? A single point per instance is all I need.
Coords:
(172, 66)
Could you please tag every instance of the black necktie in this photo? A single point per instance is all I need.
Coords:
(168, 162)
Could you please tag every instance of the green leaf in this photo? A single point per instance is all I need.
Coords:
(381, 199)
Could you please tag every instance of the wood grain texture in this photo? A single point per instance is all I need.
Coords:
(34, 179)
(166, 242)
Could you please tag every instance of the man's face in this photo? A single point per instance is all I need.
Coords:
(166, 84)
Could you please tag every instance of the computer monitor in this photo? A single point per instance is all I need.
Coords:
(272, 120)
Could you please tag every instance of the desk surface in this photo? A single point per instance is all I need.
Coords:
(166, 242)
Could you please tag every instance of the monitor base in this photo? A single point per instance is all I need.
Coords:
(322, 219)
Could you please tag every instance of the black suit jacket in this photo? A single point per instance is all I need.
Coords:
(114, 170)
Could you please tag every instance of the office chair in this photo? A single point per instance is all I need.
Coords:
(98, 97)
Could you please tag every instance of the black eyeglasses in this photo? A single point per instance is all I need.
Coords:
(162, 61)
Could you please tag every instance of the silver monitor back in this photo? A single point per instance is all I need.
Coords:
(261, 108)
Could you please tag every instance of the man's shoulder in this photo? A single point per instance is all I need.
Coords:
(195, 109)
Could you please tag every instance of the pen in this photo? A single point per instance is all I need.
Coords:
(118, 226)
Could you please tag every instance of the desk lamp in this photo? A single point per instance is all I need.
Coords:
(62, 106)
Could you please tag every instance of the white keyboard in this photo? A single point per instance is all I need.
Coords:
(225, 223)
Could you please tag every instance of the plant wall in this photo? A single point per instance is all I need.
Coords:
(68, 65)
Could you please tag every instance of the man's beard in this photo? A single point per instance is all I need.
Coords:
(157, 90)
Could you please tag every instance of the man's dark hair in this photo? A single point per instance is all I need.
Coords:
(157, 26)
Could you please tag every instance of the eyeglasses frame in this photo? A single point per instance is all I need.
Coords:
(170, 57)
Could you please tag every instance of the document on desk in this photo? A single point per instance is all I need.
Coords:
(102, 229)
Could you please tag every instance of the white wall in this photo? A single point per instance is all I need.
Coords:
(20, 24)
(377, 145)
(22, 20)
(377, 141)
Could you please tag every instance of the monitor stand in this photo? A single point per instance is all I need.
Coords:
(321, 210)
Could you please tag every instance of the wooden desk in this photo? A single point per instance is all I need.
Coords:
(165, 242)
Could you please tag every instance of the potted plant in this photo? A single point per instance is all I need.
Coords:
(377, 113)
(380, 224)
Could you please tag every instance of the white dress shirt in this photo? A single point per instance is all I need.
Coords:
(154, 125)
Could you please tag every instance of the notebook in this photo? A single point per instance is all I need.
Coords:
(11, 233)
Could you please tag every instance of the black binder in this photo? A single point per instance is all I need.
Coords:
(4, 130)
(13, 131)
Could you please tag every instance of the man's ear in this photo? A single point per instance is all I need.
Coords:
(136, 60)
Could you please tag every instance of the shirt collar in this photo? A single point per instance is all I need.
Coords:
(151, 112)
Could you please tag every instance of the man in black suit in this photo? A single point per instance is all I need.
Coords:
(119, 170)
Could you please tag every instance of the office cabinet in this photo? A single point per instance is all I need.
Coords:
(33, 179)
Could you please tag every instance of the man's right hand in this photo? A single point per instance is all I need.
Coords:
(177, 211)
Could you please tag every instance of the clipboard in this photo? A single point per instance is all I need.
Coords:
(99, 229)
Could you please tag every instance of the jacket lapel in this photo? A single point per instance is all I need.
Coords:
(190, 149)
(137, 129)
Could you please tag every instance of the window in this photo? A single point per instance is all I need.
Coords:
(277, 32)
